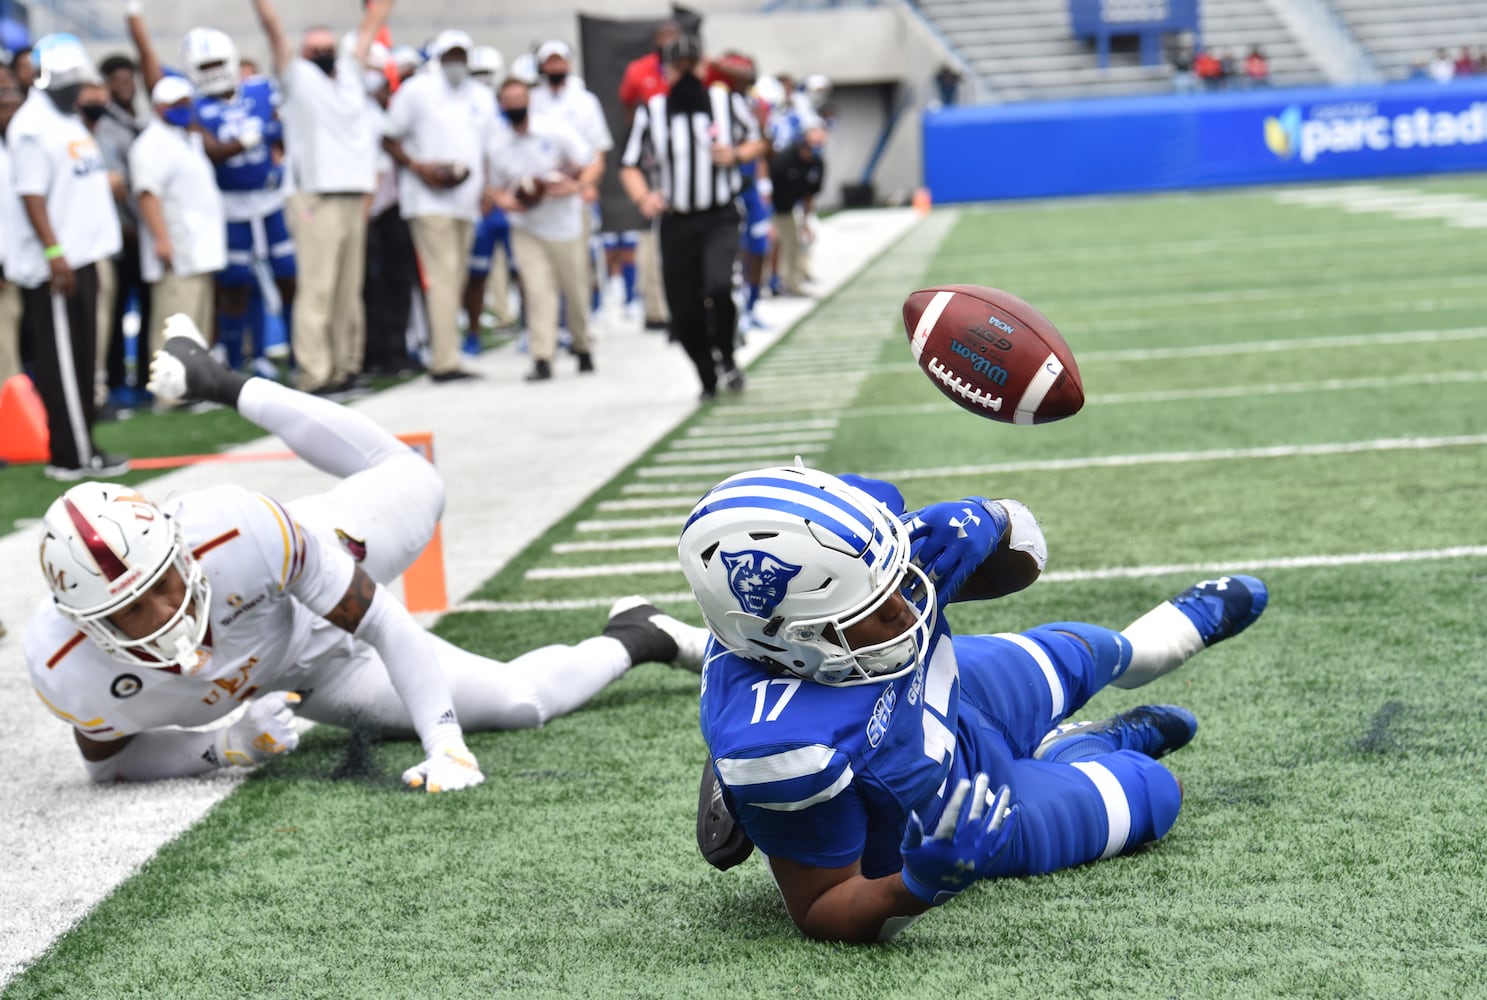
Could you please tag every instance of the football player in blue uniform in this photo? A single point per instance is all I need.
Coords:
(882, 764)
(240, 122)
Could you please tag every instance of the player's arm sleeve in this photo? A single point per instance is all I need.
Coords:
(327, 581)
(880, 490)
(798, 802)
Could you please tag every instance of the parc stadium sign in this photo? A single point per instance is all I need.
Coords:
(1358, 128)
(1168, 142)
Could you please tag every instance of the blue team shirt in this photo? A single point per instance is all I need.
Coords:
(823, 775)
(254, 170)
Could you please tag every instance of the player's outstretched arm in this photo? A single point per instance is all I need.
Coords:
(372, 614)
(266, 730)
(273, 28)
(841, 904)
(1014, 563)
(950, 540)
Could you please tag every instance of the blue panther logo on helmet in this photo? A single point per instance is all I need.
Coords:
(758, 580)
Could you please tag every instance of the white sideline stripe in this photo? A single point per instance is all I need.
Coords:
(1213, 392)
(782, 453)
(617, 544)
(725, 428)
(1365, 307)
(647, 503)
(624, 524)
(1181, 457)
(1065, 576)
(771, 381)
(688, 444)
(713, 469)
(1265, 294)
(1302, 344)
(613, 569)
(1040, 657)
(695, 488)
(1117, 809)
(802, 762)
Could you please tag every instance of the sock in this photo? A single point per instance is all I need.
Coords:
(1161, 640)
(230, 333)
(751, 298)
(627, 271)
(329, 436)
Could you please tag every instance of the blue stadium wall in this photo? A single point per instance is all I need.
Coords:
(1281, 136)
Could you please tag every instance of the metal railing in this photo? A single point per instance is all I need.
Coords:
(1327, 38)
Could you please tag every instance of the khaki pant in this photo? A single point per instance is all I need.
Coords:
(193, 295)
(443, 245)
(329, 323)
(791, 267)
(550, 268)
(648, 263)
(10, 331)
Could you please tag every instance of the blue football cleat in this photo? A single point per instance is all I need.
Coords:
(1223, 608)
(1154, 730)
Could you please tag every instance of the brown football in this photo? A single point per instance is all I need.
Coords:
(993, 354)
(529, 191)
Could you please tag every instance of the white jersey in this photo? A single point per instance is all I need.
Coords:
(171, 164)
(53, 155)
(548, 146)
(271, 584)
(576, 106)
(438, 123)
(328, 132)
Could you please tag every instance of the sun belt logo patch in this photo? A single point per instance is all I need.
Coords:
(758, 580)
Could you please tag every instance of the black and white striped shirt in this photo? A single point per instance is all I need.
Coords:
(679, 143)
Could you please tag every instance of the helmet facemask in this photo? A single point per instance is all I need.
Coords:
(176, 643)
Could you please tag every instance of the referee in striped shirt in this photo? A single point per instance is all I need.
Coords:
(695, 137)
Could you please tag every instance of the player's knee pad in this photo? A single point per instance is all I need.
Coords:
(1108, 652)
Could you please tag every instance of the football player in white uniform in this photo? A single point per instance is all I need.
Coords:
(164, 618)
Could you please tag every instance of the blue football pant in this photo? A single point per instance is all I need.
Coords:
(1014, 689)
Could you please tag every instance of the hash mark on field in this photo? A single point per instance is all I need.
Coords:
(723, 428)
(617, 545)
(1065, 576)
(782, 451)
(1304, 344)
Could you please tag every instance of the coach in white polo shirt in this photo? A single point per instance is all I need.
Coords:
(183, 230)
(547, 238)
(69, 204)
(437, 128)
(562, 94)
(332, 146)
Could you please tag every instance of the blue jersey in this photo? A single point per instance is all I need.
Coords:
(824, 775)
(253, 170)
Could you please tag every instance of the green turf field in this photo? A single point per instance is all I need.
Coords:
(1289, 390)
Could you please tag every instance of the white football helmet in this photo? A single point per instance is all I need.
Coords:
(784, 561)
(817, 87)
(211, 61)
(486, 65)
(104, 545)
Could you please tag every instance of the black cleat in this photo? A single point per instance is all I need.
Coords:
(184, 371)
(719, 837)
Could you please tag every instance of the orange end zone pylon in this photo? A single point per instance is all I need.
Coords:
(24, 435)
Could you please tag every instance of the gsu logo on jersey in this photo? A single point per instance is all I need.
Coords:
(758, 580)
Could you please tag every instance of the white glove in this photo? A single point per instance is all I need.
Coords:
(133, 8)
(265, 730)
(250, 133)
(450, 766)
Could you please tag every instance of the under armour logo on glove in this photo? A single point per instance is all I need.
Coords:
(959, 524)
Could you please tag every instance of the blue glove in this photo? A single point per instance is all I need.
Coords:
(880, 490)
(968, 839)
(949, 540)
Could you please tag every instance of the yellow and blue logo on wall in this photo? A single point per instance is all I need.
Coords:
(1283, 132)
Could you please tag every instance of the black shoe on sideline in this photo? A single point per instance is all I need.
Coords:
(541, 371)
(585, 363)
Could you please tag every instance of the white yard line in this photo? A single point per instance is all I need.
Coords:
(1242, 565)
